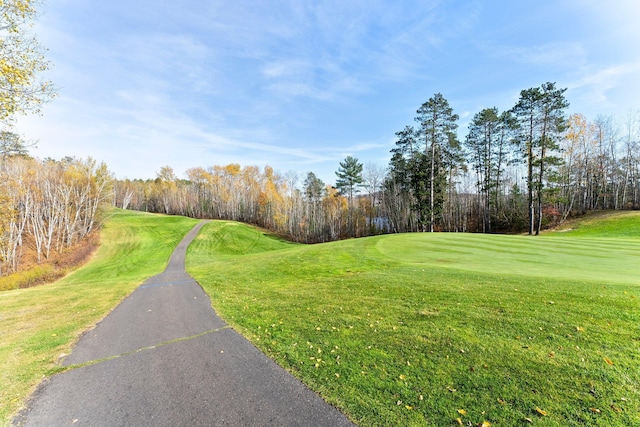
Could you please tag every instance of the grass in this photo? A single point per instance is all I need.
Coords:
(417, 329)
(38, 325)
(444, 329)
(618, 224)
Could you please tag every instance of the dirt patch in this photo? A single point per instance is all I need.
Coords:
(57, 266)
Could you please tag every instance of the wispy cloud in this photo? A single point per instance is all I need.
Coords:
(289, 68)
(136, 146)
(559, 54)
(594, 85)
(301, 83)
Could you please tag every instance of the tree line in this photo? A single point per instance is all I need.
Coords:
(48, 206)
(517, 170)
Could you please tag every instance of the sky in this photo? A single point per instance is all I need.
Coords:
(299, 85)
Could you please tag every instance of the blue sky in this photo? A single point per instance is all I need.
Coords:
(299, 85)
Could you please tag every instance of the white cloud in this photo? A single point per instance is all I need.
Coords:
(290, 68)
(558, 54)
(596, 87)
(142, 134)
(304, 83)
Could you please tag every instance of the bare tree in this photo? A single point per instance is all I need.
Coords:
(373, 180)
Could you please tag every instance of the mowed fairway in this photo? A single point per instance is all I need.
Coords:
(444, 329)
(38, 325)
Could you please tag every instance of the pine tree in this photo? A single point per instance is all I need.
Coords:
(541, 115)
(349, 182)
(349, 177)
(441, 152)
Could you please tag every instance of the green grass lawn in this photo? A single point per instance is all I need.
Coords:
(395, 330)
(620, 224)
(444, 329)
(40, 324)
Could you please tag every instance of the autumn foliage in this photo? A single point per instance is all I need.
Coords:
(249, 194)
(47, 208)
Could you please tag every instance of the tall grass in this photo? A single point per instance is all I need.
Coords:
(38, 325)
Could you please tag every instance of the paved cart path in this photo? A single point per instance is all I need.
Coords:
(164, 358)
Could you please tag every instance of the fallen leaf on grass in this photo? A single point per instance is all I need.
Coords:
(595, 410)
(403, 377)
(462, 412)
(502, 402)
(609, 362)
(541, 412)
(485, 424)
(529, 420)
(459, 421)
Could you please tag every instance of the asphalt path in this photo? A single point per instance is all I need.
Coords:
(164, 358)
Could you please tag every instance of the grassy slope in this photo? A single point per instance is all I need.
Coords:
(37, 325)
(620, 224)
(424, 329)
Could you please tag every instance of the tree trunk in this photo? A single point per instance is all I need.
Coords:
(432, 189)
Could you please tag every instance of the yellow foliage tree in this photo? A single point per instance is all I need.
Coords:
(21, 62)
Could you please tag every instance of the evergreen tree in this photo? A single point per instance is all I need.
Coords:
(481, 142)
(313, 188)
(11, 144)
(541, 117)
(441, 153)
(348, 182)
(398, 190)
(425, 158)
(349, 177)
(488, 144)
(402, 164)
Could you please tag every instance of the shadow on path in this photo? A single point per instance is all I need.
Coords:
(164, 358)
